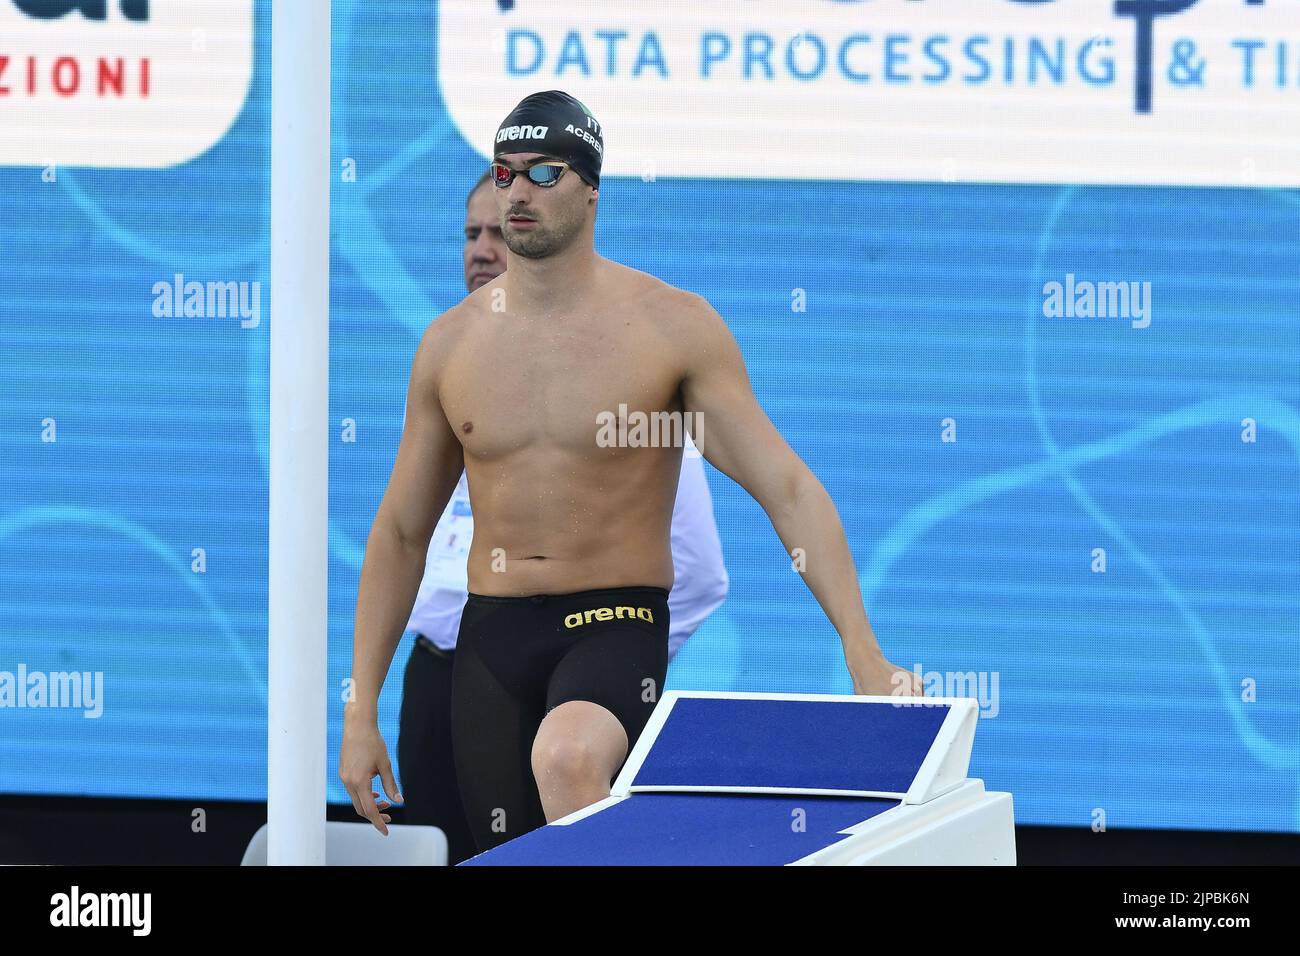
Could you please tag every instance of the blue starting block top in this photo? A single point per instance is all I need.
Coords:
(811, 746)
(692, 829)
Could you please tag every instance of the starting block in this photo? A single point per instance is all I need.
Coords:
(739, 779)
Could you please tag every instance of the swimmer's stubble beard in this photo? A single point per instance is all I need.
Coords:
(552, 233)
(541, 240)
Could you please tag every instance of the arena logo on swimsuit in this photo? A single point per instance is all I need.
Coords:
(138, 84)
(578, 618)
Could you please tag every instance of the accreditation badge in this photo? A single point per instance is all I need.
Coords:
(445, 565)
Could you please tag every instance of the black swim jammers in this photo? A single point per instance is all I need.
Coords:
(517, 659)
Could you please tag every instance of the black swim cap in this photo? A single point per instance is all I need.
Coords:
(554, 124)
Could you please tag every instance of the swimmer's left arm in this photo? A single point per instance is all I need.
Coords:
(735, 435)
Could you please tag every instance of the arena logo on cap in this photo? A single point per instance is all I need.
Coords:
(522, 132)
(121, 83)
(1177, 92)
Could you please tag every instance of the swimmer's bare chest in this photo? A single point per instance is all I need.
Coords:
(566, 494)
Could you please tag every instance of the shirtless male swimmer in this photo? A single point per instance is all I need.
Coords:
(562, 648)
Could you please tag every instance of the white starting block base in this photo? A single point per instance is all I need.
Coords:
(968, 826)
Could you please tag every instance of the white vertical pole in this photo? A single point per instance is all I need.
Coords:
(299, 453)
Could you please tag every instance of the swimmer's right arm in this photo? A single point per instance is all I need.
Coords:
(428, 466)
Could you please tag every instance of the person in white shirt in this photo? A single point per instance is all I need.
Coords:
(424, 749)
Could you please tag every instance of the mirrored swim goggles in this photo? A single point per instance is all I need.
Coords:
(544, 173)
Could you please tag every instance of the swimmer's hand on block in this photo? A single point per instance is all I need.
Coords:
(874, 675)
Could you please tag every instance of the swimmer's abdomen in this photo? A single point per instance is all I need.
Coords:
(550, 521)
